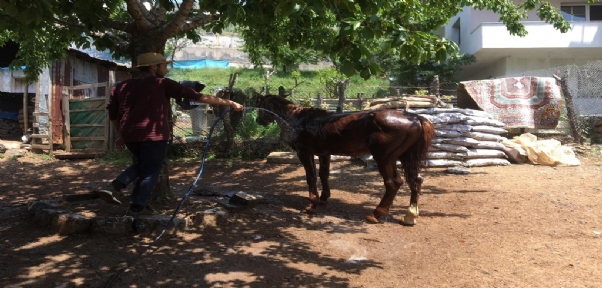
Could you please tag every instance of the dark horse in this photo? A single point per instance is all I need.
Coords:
(389, 135)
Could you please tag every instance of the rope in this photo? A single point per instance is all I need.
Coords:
(186, 196)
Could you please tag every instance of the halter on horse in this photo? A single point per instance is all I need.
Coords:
(389, 135)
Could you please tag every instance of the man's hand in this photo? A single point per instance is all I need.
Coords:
(236, 107)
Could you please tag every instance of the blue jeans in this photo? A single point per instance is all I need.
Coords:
(148, 158)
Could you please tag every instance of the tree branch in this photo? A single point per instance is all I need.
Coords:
(118, 25)
(137, 12)
(122, 42)
(174, 26)
(196, 22)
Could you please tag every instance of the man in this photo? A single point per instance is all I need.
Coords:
(138, 109)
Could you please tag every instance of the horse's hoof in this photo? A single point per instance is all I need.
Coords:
(310, 208)
(410, 218)
(371, 219)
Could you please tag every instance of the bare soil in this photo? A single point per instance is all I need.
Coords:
(514, 226)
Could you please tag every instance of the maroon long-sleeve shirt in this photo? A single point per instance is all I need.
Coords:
(141, 106)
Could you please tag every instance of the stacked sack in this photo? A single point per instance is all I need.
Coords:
(464, 137)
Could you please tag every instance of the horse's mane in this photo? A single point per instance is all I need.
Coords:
(284, 105)
(310, 118)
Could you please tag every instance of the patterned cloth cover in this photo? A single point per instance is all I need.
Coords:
(519, 102)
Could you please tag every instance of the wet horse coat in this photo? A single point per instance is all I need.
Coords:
(389, 135)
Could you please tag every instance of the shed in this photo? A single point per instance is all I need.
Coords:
(69, 103)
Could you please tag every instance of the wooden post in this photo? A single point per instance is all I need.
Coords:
(362, 100)
(435, 86)
(67, 125)
(109, 132)
(320, 100)
(25, 112)
(228, 129)
(49, 106)
(570, 109)
(341, 86)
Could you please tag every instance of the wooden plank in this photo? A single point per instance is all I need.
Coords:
(86, 110)
(87, 125)
(49, 106)
(97, 99)
(40, 136)
(41, 146)
(108, 129)
(78, 155)
(87, 86)
(25, 112)
(67, 120)
(87, 139)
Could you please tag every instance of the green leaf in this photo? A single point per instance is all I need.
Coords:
(347, 68)
(285, 8)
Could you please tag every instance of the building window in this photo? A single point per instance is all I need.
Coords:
(573, 12)
(595, 13)
(576, 13)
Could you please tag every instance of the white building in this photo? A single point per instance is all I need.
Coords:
(500, 54)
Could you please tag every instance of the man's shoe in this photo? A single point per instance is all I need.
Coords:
(107, 196)
(146, 211)
(110, 194)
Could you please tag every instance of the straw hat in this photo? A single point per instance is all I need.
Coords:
(148, 59)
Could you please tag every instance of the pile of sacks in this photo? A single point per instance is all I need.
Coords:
(472, 138)
(465, 137)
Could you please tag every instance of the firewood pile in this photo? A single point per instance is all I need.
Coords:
(405, 102)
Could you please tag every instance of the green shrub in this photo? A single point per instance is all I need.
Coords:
(310, 82)
(249, 129)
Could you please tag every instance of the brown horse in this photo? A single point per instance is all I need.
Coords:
(389, 135)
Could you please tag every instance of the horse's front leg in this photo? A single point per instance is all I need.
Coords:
(324, 174)
(307, 159)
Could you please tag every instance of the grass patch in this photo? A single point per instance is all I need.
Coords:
(41, 156)
(119, 157)
(253, 80)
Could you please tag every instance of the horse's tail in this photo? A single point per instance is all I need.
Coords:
(412, 160)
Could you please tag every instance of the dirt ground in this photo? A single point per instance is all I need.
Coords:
(513, 226)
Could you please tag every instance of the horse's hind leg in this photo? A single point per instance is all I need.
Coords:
(393, 181)
(307, 159)
(415, 182)
(324, 174)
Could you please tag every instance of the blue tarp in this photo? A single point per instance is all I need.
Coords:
(7, 68)
(10, 115)
(203, 63)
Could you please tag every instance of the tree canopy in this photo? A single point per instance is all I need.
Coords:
(346, 31)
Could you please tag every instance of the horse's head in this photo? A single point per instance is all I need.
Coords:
(268, 102)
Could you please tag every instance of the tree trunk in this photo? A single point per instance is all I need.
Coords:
(341, 91)
(228, 129)
(162, 191)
